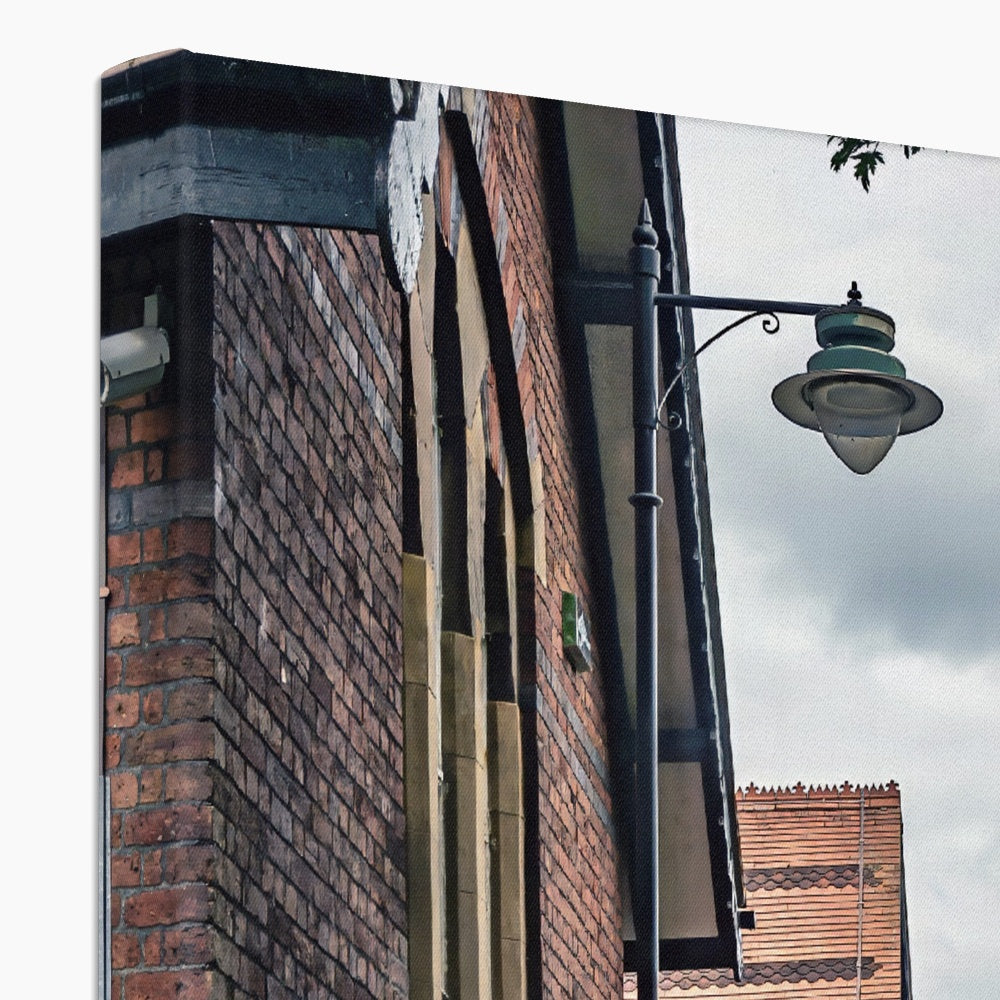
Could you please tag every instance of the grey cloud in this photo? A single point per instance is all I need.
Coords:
(860, 614)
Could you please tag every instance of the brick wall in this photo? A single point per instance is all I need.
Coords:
(577, 923)
(308, 548)
(253, 675)
(160, 740)
(159, 734)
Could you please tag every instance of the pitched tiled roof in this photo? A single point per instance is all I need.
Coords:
(823, 875)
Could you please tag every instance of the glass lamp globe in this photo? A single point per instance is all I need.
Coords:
(859, 419)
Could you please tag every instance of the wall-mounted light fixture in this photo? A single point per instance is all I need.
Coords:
(133, 361)
(853, 391)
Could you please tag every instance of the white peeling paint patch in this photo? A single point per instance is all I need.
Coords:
(412, 158)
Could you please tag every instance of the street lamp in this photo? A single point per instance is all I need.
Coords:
(853, 391)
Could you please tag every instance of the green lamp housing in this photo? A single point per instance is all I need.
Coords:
(854, 390)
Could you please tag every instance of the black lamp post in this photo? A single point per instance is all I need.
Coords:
(853, 390)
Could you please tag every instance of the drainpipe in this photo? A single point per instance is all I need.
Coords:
(645, 501)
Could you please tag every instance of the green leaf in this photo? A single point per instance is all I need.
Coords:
(865, 164)
(846, 150)
(865, 155)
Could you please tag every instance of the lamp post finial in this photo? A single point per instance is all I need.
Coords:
(644, 235)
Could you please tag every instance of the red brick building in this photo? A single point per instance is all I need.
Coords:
(824, 879)
(350, 750)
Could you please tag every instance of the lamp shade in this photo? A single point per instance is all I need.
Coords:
(854, 391)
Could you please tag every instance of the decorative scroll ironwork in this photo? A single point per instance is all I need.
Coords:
(770, 324)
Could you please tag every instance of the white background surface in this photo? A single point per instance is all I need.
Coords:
(890, 73)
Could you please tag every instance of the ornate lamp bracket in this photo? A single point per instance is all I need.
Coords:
(770, 324)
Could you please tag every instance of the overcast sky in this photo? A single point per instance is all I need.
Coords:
(859, 613)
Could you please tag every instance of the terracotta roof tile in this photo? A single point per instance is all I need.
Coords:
(803, 849)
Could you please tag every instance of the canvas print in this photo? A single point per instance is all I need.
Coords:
(548, 549)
